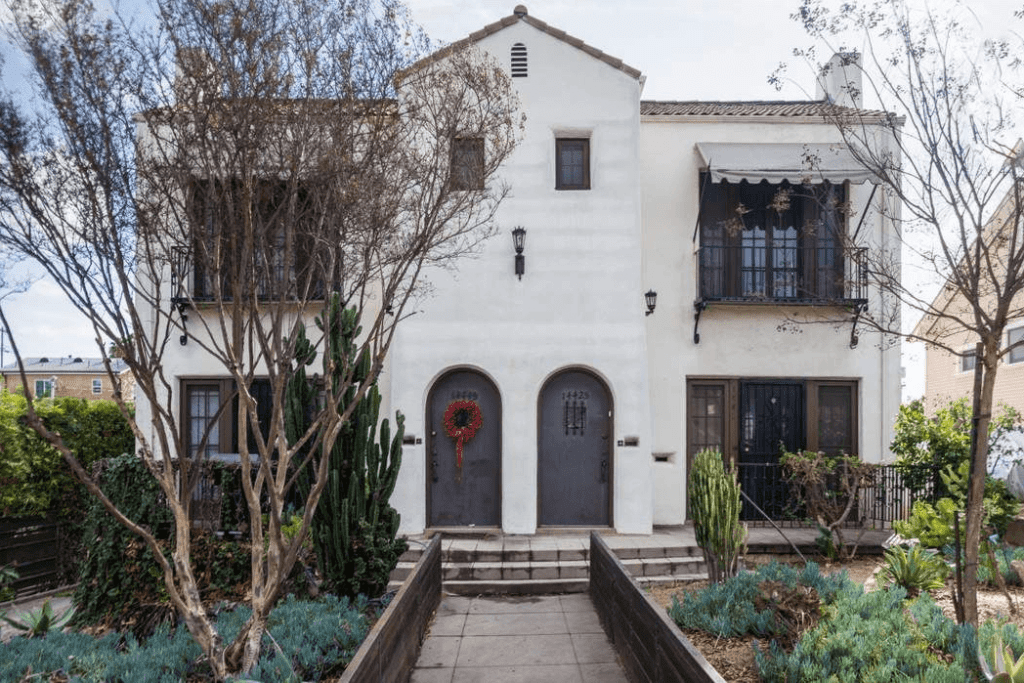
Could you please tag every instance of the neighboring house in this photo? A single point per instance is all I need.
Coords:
(950, 376)
(70, 376)
(593, 396)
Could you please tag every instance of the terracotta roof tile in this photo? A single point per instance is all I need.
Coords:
(799, 108)
(540, 26)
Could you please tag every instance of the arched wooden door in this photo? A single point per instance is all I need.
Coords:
(574, 459)
(468, 493)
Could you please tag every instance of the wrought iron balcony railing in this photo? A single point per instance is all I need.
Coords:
(793, 274)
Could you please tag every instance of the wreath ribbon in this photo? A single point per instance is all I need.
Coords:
(462, 420)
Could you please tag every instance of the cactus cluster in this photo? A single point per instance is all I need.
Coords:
(354, 528)
(714, 497)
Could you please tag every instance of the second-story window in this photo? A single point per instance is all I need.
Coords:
(763, 241)
(250, 237)
(572, 164)
(467, 169)
(97, 386)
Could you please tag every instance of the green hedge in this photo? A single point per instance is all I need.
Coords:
(34, 479)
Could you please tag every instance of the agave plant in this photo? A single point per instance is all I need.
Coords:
(1004, 668)
(41, 621)
(916, 570)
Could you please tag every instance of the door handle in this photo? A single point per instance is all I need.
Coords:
(433, 465)
(604, 471)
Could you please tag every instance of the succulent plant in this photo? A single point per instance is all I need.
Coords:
(39, 622)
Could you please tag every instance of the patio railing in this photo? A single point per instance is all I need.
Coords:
(888, 498)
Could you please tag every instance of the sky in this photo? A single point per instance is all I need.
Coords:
(686, 49)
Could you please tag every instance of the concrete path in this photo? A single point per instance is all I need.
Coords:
(517, 639)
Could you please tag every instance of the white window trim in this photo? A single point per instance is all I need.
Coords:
(960, 361)
(97, 386)
(47, 391)
(1010, 329)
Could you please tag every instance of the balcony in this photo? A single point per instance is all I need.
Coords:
(752, 273)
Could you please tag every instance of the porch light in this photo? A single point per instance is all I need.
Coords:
(519, 242)
(651, 297)
(179, 299)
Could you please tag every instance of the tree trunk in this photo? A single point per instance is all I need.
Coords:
(984, 384)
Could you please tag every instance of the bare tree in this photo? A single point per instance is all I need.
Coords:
(955, 171)
(202, 182)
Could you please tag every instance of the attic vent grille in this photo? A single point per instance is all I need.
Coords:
(518, 61)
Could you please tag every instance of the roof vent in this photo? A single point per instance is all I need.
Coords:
(77, 360)
(518, 61)
(520, 11)
(44, 359)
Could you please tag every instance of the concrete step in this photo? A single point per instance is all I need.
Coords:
(514, 587)
(524, 566)
(666, 567)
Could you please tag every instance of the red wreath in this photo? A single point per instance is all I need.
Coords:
(462, 419)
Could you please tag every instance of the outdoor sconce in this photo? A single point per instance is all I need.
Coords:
(519, 242)
(651, 297)
(181, 303)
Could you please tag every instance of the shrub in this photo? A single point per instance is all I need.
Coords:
(932, 525)
(914, 570)
(828, 486)
(943, 440)
(34, 479)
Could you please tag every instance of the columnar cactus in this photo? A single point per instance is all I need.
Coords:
(714, 496)
(354, 527)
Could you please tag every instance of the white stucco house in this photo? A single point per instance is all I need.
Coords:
(595, 407)
(543, 383)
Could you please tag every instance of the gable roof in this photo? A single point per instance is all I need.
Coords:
(520, 14)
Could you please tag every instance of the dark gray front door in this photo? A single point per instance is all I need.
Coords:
(470, 494)
(574, 459)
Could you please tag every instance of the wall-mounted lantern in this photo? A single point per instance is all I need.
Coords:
(651, 298)
(179, 298)
(519, 242)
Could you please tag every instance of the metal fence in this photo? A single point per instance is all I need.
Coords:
(888, 498)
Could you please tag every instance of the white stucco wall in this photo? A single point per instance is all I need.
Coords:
(579, 304)
(735, 340)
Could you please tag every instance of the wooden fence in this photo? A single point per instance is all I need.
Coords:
(35, 546)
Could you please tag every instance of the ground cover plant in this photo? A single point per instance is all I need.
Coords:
(812, 626)
(305, 640)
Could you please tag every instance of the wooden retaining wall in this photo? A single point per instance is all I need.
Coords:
(651, 646)
(389, 652)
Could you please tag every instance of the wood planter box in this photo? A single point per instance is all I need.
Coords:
(651, 646)
(389, 652)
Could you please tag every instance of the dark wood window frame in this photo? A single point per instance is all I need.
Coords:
(276, 241)
(227, 441)
(785, 244)
(728, 412)
(572, 163)
(467, 164)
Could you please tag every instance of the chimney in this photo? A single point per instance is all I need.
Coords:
(195, 77)
(840, 81)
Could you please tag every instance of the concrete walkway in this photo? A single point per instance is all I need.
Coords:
(517, 639)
